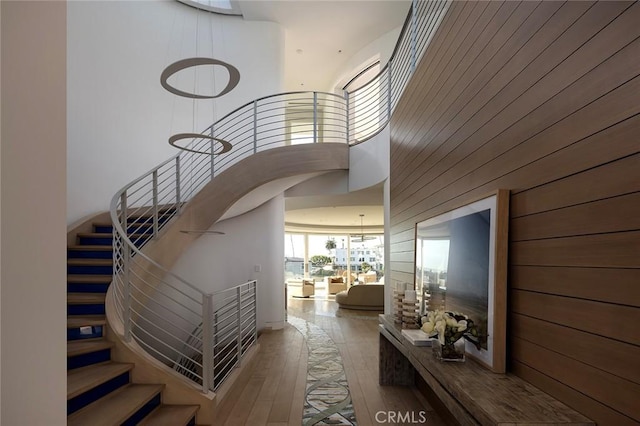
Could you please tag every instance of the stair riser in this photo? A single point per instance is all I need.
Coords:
(88, 359)
(74, 404)
(87, 288)
(95, 241)
(89, 270)
(143, 411)
(86, 309)
(74, 333)
(89, 254)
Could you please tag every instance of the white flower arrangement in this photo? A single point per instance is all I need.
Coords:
(448, 327)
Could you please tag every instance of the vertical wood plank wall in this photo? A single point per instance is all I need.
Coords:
(543, 99)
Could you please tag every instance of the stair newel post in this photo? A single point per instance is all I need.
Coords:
(126, 260)
(177, 184)
(239, 303)
(207, 343)
(315, 117)
(255, 126)
(255, 310)
(346, 98)
(155, 203)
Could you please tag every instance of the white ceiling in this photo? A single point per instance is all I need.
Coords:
(327, 32)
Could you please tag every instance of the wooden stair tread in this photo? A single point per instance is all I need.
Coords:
(85, 320)
(90, 262)
(80, 347)
(80, 380)
(97, 279)
(85, 298)
(170, 415)
(115, 408)
(90, 248)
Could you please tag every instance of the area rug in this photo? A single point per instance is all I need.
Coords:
(327, 400)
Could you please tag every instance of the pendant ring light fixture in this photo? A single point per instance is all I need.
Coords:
(234, 76)
(226, 146)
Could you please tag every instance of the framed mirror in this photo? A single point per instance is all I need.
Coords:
(461, 266)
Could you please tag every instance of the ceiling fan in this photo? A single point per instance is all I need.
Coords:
(361, 237)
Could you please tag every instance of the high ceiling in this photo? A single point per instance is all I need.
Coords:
(322, 35)
(320, 38)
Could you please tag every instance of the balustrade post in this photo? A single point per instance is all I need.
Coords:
(126, 260)
(207, 343)
(154, 179)
(178, 184)
(255, 126)
(239, 303)
(389, 90)
(315, 117)
(212, 156)
(346, 98)
(414, 24)
(255, 310)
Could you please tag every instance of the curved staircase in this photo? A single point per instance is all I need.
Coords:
(99, 390)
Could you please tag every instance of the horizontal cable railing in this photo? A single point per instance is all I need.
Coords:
(204, 335)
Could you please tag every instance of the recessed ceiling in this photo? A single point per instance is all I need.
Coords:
(337, 212)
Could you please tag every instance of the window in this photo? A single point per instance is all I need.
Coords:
(225, 7)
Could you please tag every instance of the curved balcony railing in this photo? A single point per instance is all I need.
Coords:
(204, 335)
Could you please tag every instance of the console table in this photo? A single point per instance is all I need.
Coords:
(471, 393)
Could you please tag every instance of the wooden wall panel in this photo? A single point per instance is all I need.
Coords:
(619, 286)
(592, 408)
(623, 358)
(540, 98)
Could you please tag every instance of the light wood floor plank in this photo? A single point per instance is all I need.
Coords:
(273, 389)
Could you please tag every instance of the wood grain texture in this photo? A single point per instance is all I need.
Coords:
(604, 319)
(593, 409)
(547, 107)
(617, 286)
(623, 359)
(592, 381)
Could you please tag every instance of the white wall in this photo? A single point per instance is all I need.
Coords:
(33, 275)
(215, 262)
(369, 161)
(116, 53)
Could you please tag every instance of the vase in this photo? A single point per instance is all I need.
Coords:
(450, 351)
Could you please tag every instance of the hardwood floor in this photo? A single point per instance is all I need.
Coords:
(271, 392)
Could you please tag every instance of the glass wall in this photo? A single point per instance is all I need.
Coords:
(317, 256)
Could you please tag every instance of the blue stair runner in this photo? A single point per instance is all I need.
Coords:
(94, 380)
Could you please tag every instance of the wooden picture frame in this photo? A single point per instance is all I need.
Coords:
(461, 265)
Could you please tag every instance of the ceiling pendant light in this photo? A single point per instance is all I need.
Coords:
(217, 146)
(234, 76)
(361, 238)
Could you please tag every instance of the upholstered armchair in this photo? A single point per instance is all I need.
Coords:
(335, 284)
(301, 288)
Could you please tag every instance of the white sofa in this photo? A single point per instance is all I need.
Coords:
(367, 297)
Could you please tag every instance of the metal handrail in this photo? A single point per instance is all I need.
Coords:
(221, 330)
